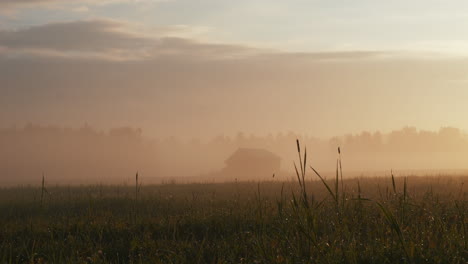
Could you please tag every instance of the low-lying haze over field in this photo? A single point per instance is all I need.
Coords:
(87, 155)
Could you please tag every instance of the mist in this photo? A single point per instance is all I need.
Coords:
(87, 155)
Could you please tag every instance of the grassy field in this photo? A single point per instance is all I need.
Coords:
(362, 220)
(369, 220)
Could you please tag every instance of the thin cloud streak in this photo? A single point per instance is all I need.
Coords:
(51, 3)
(109, 39)
(14, 7)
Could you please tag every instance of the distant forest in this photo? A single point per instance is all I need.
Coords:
(87, 155)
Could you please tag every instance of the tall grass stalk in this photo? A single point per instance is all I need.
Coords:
(393, 183)
(301, 176)
(136, 186)
(341, 175)
(43, 190)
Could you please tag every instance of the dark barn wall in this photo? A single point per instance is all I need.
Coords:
(252, 164)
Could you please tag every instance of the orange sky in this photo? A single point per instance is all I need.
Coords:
(206, 72)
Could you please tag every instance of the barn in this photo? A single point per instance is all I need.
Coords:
(251, 162)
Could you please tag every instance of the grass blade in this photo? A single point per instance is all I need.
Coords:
(326, 185)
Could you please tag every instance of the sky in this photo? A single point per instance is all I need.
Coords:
(201, 68)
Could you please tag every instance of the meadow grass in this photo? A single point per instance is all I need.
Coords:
(309, 219)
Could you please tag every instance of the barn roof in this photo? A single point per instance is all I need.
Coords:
(252, 153)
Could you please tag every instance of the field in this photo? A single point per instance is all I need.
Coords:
(367, 220)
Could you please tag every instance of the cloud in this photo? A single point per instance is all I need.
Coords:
(11, 7)
(39, 3)
(109, 39)
(71, 38)
(119, 40)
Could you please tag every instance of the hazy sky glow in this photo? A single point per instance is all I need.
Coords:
(193, 68)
